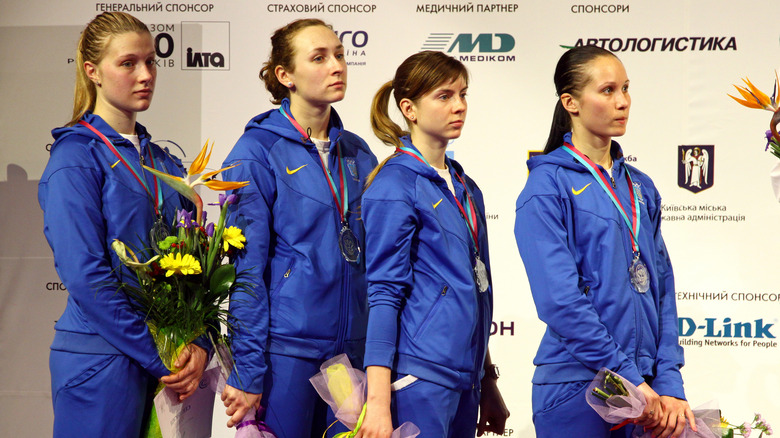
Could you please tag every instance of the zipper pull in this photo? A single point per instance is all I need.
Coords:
(613, 182)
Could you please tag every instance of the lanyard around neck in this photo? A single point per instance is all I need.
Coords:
(340, 196)
(157, 197)
(633, 223)
(469, 213)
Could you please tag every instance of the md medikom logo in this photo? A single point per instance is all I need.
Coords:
(205, 45)
(469, 47)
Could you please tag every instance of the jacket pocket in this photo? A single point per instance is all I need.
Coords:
(432, 312)
(281, 278)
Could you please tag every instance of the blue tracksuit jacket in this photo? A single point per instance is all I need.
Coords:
(86, 205)
(576, 249)
(419, 262)
(308, 301)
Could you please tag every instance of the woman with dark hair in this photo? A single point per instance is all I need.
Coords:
(430, 294)
(300, 215)
(104, 363)
(588, 230)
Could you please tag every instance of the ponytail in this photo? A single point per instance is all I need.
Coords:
(383, 126)
(561, 124)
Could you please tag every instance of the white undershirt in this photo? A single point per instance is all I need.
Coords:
(323, 147)
(445, 173)
(134, 140)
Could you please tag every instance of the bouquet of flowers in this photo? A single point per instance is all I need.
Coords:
(344, 389)
(617, 400)
(755, 98)
(184, 279)
(745, 429)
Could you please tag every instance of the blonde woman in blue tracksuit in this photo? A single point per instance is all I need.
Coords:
(103, 361)
(589, 232)
(427, 265)
(300, 215)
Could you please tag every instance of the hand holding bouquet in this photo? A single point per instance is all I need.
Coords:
(344, 389)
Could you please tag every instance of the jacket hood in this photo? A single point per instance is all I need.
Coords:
(561, 158)
(274, 121)
(62, 133)
(421, 168)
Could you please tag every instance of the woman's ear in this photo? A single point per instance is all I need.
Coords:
(283, 76)
(570, 104)
(408, 109)
(92, 72)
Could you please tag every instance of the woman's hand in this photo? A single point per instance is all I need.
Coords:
(653, 412)
(191, 362)
(673, 422)
(238, 403)
(492, 409)
(378, 422)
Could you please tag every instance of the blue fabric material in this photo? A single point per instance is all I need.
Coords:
(427, 316)
(561, 411)
(577, 250)
(98, 395)
(86, 205)
(293, 407)
(308, 301)
(436, 410)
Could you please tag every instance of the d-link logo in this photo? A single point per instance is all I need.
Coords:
(467, 43)
(726, 329)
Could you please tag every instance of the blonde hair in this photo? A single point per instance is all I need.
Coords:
(418, 75)
(92, 48)
(282, 53)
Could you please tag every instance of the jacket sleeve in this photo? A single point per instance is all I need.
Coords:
(542, 238)
(390, 226)
(249, 309)
(670, 359)
(74, 225)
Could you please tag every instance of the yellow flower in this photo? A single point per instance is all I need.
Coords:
(232, 236)
(176, 264)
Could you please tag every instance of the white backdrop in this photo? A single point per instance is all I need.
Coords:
(681, 57)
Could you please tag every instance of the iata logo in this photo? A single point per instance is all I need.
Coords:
(696, 167)
(205, 45)
(466, 43)
(725, 329)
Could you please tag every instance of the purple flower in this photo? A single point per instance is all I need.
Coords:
(769, 139)
(184, 219)
(210, 229)
(230, 199)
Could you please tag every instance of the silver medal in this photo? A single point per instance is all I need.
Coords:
(348, 244)
(640, 277)
(480, 273)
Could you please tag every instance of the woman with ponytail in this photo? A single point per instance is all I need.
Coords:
(427, 263)
(588, 230)
(104, 363)
(300, 214)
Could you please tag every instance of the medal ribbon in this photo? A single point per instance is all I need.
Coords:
(471, 216)
(138, 176)
(634, 222)
(341, 196)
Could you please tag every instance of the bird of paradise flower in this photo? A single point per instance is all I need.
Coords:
(186, 186)
(755, 98)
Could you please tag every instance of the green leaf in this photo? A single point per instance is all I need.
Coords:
(222, 279)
